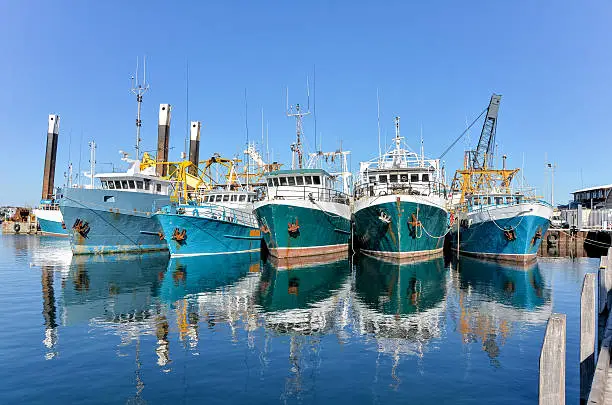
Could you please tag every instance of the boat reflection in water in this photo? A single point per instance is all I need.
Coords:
(303, 299)
(216, 289)
(200, 274)
(119, 294)
(400, 305)
(488, 298)
(305, 303)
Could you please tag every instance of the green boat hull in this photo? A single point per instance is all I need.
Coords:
(401, 229)
(315, 230)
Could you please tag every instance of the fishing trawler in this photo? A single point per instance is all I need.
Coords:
(303, 212)
(118, 216)
(50, 218)
(400, 207)
(491, 219)
(208, 219)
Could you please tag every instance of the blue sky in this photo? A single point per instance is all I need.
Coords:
(434, 63)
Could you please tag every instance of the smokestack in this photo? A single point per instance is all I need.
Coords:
(50, 157)
(163, 138)
(194, 147)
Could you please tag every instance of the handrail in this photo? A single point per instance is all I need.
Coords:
(218, 212)
(307, 193)
(433, 188)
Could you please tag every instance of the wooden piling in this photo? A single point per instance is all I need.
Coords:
(603, 292)
(552, 362)
(588, 325)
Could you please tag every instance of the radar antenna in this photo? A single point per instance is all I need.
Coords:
(297, 112)
(139, 89)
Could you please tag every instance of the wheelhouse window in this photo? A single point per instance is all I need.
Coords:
(476, 200)
(499, 200)
(124, 184)
(382, 178)
(291, 180)
(508, 200)
(393, 178)
(251, 198)
(404, 178)
(372, 179)
(316, 180)
(218, 198)
(139, 185)
(425, 177)
(518, 200)
(414, 178)
(147, 184)
(270, 183)
(158, 187)
(242, 198)
(103, 184)
(226, 197)
(117, 184)
(308, 179)
(234, 197)
(275, 181)
(299, 180)
(111, 185)
(132, 185)
(283, 181)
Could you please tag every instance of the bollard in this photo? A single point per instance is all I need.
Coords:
(588, 325)
(552, 362)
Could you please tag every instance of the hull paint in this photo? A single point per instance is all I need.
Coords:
(207, 236)
(118, 221)
(48, 227)
(288, 263)
(484, 236)
(50, 222)
(394, 257)
(385, 226)
(324, 227)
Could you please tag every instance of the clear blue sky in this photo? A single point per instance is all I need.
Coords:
(435, 63)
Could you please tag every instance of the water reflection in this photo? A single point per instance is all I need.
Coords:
(162, 309)
(489, 298)
(214, 290)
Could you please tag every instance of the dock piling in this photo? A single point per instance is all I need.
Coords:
(588, 325)
(552, 362)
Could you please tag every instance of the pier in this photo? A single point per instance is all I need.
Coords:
(595, 343)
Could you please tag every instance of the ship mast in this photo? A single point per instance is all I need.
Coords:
(298, 113)
(139, 89)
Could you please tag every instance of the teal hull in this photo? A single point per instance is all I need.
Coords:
(396, 235)
(488, 241)
(206, 236)
(319, 232)
(51, 227)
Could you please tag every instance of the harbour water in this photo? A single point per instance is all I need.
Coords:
(147, 329)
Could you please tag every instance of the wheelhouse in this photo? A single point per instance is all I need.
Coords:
(312, 184)
(227, 197)
(135, 183)
(483, 201)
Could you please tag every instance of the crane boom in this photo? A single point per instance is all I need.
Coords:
(483, 155)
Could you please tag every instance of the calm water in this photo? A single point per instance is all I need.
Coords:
(145, 329)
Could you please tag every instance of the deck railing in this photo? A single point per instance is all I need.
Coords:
(220, 213)
(307, 193)
(379, 189)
